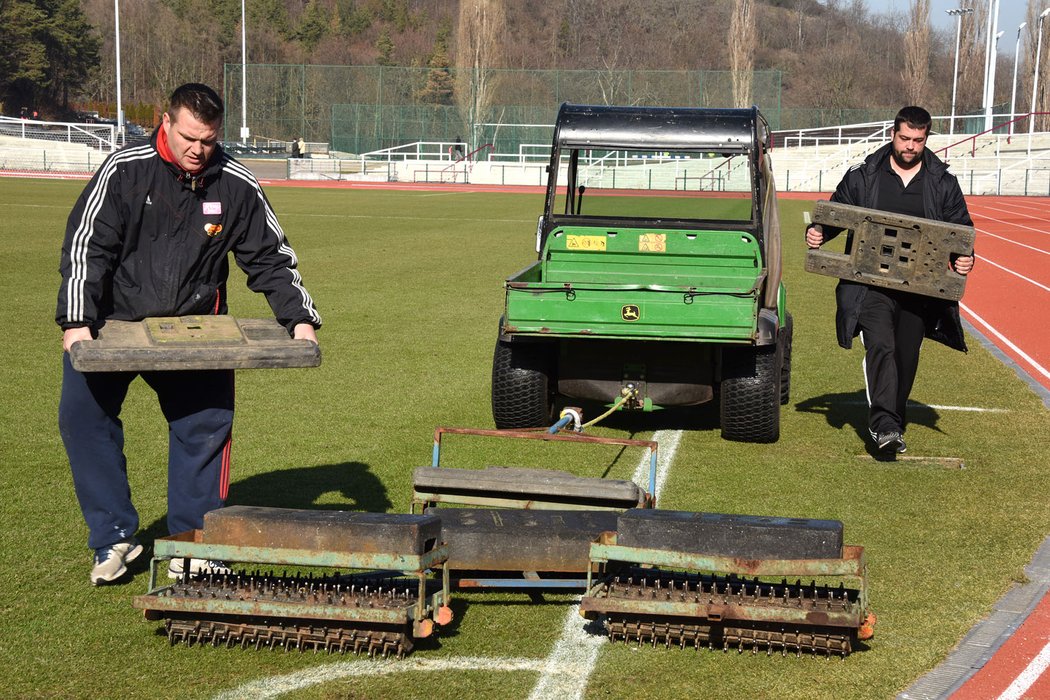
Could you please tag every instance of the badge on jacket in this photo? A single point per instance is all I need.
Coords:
(212, 230)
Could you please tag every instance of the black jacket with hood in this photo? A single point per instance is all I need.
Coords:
(148, 239)
(942, 201)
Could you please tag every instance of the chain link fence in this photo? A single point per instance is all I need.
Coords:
(358, 109)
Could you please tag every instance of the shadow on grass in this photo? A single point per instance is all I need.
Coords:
(301, 487)
(702, 417)
(851, 409)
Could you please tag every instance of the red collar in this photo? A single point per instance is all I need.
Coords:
(165, 151)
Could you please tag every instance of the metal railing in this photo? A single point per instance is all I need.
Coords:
(101, 137)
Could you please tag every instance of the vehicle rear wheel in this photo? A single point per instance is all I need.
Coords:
(785, 360)
(521, 386)
(750, 393)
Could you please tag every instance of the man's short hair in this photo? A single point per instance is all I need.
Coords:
(915, 117)
(201, 101)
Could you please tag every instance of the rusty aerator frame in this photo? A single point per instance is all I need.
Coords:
(711, 580)
(386, 596)
(654, 576)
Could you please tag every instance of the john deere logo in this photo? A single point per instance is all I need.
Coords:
(630, 313)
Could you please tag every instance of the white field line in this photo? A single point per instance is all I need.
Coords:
(1029, 676)
(276, 686)
(914, 404)
(1035, 365)
(563, 674)
(576, 651)
(397, 217)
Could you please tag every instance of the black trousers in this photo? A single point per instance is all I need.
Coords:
(892, 326)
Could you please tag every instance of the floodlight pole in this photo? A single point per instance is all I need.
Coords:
(116, 33)
(989, 68)
(1013, 93)
(958, 12)
(244, 79)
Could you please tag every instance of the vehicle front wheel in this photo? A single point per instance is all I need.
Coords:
(522, 395)
(750, 393)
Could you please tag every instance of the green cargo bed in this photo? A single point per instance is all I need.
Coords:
(638, 283)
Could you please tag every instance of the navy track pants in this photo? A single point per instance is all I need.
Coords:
(198, 406)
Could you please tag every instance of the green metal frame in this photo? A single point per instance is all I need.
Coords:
(187, 545)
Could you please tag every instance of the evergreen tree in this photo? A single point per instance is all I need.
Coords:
(438, 89)
(313, 25)
(49, 48)
(385, 47)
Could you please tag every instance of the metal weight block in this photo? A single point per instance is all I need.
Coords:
(524, 488)
(741, 536)
(893, 251)
(321, 530)
(192, 343)
(493, 539)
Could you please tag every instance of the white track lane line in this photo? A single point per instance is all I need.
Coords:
(1017, 274)
(983, 232)
(570, 664)
(1006, 341)
(1028, 677)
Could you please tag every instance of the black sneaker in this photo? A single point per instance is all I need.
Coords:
(890, 442)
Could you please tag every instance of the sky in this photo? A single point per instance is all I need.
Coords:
(1011, 14)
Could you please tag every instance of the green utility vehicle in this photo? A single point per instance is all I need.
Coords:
(658, 281)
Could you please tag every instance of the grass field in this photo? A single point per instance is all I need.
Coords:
(410, 287)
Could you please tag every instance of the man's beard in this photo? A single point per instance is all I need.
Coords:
(907, 165)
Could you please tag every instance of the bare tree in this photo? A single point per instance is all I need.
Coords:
(800, 20)
(742, 50)
(481, 30)
(971, 54)
(917, 52)
(1042, 101)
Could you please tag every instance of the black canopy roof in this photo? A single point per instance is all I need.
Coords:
(659, 128)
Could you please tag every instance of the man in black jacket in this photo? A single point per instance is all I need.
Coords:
(903, 177)
(150, 236)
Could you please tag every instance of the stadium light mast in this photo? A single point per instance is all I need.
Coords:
(244, 80)
(989, 64)
(116, 33)
(957, 12)
(1013, 93)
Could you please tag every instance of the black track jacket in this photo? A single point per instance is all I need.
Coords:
(146, 239)
(942, 201)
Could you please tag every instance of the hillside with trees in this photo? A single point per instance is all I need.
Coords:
(831, 54)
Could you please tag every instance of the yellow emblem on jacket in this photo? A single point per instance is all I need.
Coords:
(212, 230)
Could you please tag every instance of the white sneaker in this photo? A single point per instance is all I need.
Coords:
(197, 566)
(111, 561)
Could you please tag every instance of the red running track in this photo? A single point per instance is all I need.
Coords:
(1019, 667)
(1007, 296)
(1008, 300)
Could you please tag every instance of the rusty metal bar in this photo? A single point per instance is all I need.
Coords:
(543, 434)
(851, 566)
